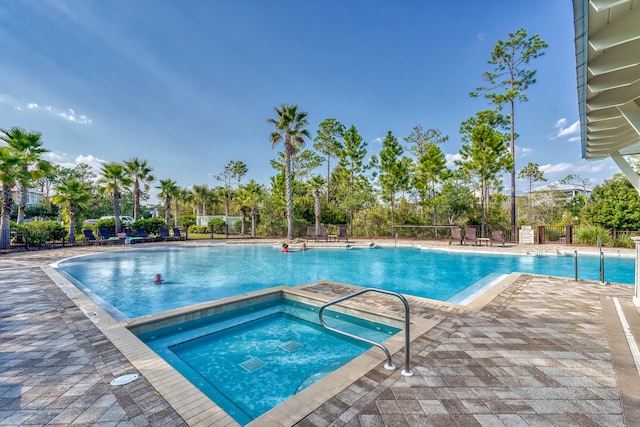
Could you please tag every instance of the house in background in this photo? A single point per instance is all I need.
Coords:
(568, 191)
(34, 197)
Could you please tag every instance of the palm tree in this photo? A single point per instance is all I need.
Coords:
(75, 195)
(200, 197)
(168, 190)
(251, 194)
(290, 129)
(140, 172)
(28, 148)
(114, 178)
(10, 171)
(316, 184)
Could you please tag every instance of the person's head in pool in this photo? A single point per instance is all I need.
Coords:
(158, 278)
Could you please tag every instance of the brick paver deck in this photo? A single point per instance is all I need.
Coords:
(544, 352)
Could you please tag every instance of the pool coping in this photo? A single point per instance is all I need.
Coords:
(192, 404)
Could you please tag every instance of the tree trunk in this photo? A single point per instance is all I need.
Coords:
(513, 171)
(175, 214)
(22, 207)
(72, 225)
(253, 222)
(7, 207)
(167, 210)
(328, 174)
(316, 197)
(136, 201)
(116, 210)
(288, 189)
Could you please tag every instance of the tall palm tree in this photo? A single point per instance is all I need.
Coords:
(200, 197)
(290, 129)
(113, 179)
(10, 171)
(28, 148)
(168, 190)
(316, 184)
(75, 195)
(140, 173)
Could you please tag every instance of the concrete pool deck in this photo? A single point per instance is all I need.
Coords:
(543, 351)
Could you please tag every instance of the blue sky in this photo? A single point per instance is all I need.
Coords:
(189, 85)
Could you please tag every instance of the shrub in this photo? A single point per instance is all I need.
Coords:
(623, 241)
(589, 236)
(218, 225)
(186, 220)
(198, 229)
(109, 224)
(41, 232)
(237, 226)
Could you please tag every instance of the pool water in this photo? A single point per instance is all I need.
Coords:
(250, 360)
(124, 279)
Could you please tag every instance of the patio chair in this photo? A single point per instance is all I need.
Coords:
(143, 234)
(470, 236)
(164, 234)
(497, 236)
(176, 233)
(90, 238)
(342, 234)
(130, 237)
(456, 235)
(105, 236)
(322, 234)
(311, 233)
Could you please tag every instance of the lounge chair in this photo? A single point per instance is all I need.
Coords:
(164, 234)
(470, 236)
(456, 235)
(497, 236)
(130, 237)
(143, 234)
(177, 234)
(322, 234)
(105, 236)
(90, 238)
(311, 233)
(342, 234)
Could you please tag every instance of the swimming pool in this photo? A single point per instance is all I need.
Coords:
(252, 358)
(124, 279)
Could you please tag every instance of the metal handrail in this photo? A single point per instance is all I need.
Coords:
(389, 365)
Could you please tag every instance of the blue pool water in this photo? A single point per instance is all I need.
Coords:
(195, 274)
(250, 360)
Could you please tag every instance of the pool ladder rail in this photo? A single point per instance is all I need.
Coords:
(389, 365)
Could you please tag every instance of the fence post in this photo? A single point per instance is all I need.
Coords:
(541, 238)
(568, 235)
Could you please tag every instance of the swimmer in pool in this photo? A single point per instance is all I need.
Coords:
(285, 247)
(158, 278)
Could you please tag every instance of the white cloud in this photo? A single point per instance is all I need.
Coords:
(69, 115)
(562, 130)
(567, 168)
(451, 159)
(68, 161)
(523, 151)
(557, 168)
(377, 140)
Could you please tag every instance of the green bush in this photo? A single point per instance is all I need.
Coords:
(199, 229)
(218, 225)
(589, 235)
(237, 226)
(623, 241)
(186, 220)
(41, 232)
(108, 224)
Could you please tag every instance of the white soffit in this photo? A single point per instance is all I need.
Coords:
(608, 72)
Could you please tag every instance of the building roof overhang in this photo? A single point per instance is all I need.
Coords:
(607, 40)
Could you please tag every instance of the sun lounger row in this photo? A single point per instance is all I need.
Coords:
(127, 236)
(321, 234)
(497, 236)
